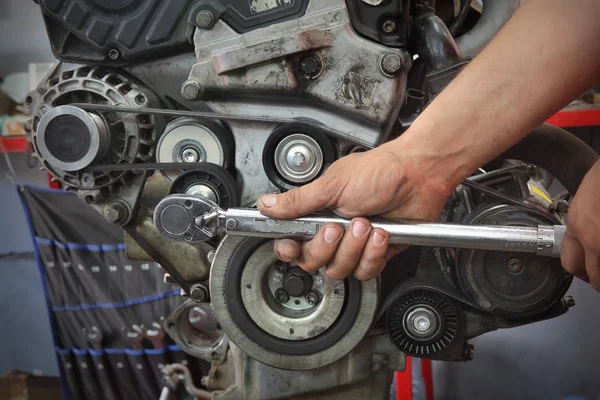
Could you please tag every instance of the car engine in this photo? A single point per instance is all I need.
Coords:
(225, 100)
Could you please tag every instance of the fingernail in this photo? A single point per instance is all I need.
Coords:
(331, 235)
(268, 200)
(359, 229)
(378, 239)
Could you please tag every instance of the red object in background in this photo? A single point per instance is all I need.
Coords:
(18, 144)
(404, 389)
(13, 144)
(576, 117)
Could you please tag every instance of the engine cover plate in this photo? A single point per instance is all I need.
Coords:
(119, 32)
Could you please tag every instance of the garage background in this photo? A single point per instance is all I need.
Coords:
(551, 359)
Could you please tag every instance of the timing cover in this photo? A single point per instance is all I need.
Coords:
(86, 31)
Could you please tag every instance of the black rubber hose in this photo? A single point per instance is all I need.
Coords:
(460, 18)
(557, 151)
(434, 43)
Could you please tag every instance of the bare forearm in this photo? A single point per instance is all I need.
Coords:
(545, 56)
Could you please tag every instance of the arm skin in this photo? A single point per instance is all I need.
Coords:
(544, 57)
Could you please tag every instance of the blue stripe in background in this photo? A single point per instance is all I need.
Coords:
(121, 304)
(131, 352)
(80, 246)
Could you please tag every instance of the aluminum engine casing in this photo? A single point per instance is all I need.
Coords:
(257, 74)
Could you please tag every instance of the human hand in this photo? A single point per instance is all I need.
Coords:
(376, 182)
(580, 253)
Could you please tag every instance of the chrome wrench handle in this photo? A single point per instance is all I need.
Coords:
(204, 220)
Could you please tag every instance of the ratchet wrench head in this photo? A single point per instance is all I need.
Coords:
(187, 218)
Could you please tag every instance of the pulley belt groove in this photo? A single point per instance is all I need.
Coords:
(191, 218)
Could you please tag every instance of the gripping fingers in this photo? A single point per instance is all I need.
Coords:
(373, 258)
(287, 250)
(573, 257)
(317, 252)
(350, 249)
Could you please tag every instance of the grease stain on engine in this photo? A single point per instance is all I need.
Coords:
(358, 89)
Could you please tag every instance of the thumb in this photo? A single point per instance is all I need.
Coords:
(296, 202)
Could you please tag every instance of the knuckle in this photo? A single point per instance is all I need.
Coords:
(313, 256)
(292, 199)
(571, 267)
(335, 273)
(368, 270)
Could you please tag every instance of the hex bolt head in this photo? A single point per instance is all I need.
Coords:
(116, 212)
(231, 223)
(198, 293)
(514, 266)
(392, 63)
(388, 26)
(191, 89)
(312, 298)
(280, 266)
(281, 296)
(205, 20)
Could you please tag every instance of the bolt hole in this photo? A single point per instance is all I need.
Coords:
(213, 354)
(249, 286)
(140, 99)
(90, 199)
(336, 291)
(291, 331)
(171, 325)
(28, 100)
(297, 302)
(188, 204)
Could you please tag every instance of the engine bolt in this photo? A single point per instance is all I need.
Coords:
(116, 212)
(281, 267)
(114, 54)
(205, 20)
(312, 298)
(198, 293)
(468, 352)
(514, 266)
(310, 66)
(210, 256)
(569, 301)
(392, 63)
(281, 296)
(277, 279)
(231, 223)
(562, 207)
(190, 155)
(318, 281)
(191, 89)
(535, 266)
(388, 26)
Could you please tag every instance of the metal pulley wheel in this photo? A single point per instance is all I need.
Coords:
(423, 322)
(296, 154)
(211, 182)
(510, 283)
(283, 316)
(190, 140)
